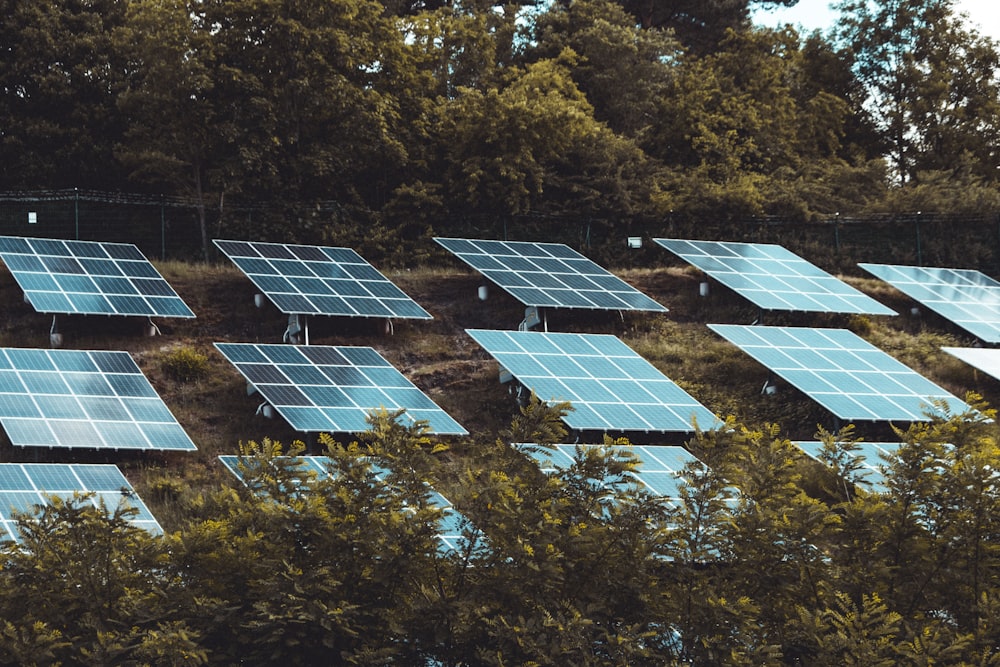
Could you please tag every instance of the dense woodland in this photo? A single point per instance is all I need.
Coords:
(346, 116)
(411, 118)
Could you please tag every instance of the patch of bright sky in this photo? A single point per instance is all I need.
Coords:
(817, 15)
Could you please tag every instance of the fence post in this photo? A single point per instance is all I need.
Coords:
(920, 254)
(76, 213)
(163, 232)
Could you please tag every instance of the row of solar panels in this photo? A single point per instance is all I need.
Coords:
(659, 471)
(84, 277)
(101, 399)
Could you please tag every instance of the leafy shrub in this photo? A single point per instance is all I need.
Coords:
(185, 364)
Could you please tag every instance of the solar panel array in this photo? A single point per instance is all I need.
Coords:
(320, 388)
(659, 470)
(609, 385)
(841, 371)
(27, 486)
(985, 359)
(773, 277)
(450, 524)
(90, 278)
(318, 280)
(968, 298)
(79, 398)
(872, 457)
(550, 275)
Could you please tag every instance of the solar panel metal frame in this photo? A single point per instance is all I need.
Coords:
(873, 457)
(984, 359)
(89, 278)
(821, 363)
(549, 275)
(320, 280)
(332, 389)
(24, 486)
(966, 297)
(95, 399)
(451, 521)
(659, 469)
(774, 278)
(632, 394)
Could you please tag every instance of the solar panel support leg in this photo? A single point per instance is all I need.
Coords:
(55, 338)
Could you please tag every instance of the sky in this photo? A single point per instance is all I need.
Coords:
(813, 14)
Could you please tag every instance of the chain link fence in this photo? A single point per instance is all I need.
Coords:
(168, 228)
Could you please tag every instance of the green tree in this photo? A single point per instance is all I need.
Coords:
(59, 73)
(928, 83)
(86, 586)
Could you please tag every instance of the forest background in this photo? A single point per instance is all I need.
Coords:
(377, 125)
(362, 123)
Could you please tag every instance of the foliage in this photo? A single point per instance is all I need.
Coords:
(184, 364)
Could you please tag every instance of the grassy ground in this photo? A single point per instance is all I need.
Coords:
(443, 361)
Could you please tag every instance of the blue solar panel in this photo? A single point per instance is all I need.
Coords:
(332, 389)
(90, 278)
(842, 372)
(318, 280)
(871, 457)
(549, 275)
(89, 399)
(773, 277)
(658, 471)
(610, 387)
(968, 298)
(985, 359)
(24, 487)
(450, 524)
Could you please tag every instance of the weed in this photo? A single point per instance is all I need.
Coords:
(184, 364)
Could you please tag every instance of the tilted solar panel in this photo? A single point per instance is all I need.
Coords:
(985, 359)
(450, 525)
(774, 278)
(550, 275)
(78, 398)
(319, 388)
(320, 280)
(24, 487)
(842, 372)
(872, 458)
(968, 298)
(610, 387)
(659, 470)
(89, 278)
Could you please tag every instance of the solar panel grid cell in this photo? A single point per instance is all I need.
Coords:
(601, 376)
(90, 399)
(24, 487)
(316, 280)
(332, 389)
(968, 298)
(548, 275)
(773, 278)
(841, 371)
(85, 277)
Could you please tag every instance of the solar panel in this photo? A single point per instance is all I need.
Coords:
(80, 398)
(841, 371)
(319, 388)
(27, 486)
(450, 524)
(609, 385)
(872, 457)
(89, 277)
(968, 298)
(549, 275)
(774, 278)
(318, 280)
(659, 470)
(985, 359)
